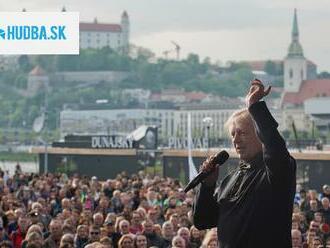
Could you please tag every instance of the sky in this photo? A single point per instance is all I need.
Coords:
(224, 30)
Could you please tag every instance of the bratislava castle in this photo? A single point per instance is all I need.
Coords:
(97, 35)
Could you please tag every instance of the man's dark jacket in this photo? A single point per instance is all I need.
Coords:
(252, 206)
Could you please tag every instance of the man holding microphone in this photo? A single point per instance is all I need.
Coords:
(252, 206)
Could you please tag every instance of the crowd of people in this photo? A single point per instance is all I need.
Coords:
(54, 210)
(311, 218)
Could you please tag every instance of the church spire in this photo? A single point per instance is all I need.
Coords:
(295, 31)
(295, 49)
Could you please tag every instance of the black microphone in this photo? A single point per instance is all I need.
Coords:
(219, 159)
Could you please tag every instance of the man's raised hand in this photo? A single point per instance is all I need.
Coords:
(256, 93)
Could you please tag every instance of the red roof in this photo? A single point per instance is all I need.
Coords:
(195, 96)
(189, 96)
(309, 89)
(99, 27)
(155, 96)
(259, 65)
(309, 62)
(37, 71)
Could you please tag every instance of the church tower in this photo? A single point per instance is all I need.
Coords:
(125, 31)
(295, 64)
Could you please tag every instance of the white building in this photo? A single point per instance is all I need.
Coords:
(300, 84)
(98, 35)
(141, 95)
(318, 109)
(123, 121)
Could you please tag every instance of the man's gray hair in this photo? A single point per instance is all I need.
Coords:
(242, 114)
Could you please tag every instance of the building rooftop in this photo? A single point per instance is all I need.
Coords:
(37, 71)
(99, 27)
(308, 89)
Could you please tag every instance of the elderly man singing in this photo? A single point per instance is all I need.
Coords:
(252, 206)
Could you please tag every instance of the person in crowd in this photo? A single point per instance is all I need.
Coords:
(55, 234)
(313, 208)
(178, 242)
(106, 242)
(296, 238)
(98, 219)
(167, 233)
(18, 236)
(140, 241)
(136, 226)
(67, 240)
(114, 236)
(126, 241)
(81, 237)
(195, 237)
(325, 210)
(185, 234)
(326, 191)
(152, 238)
(124, 227)
(3, 235)
(94, 234)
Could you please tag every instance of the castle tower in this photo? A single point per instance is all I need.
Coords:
(37, 80)
(125, 31)
(295, 64)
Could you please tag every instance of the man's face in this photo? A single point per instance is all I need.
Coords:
(23, 224)
(174, 219)
(179, 242)
(296, 239)
(313, 205)
(98, 219)
(136, 220)
(153, 215)
(318, 217)
(325, 203)
(184, 233)
(168, 230)
(94, 234)
(245, 139)
(82, 232)
(141, 241)
(104, 203)
(124, 227)
(55, 229)
(148, 227)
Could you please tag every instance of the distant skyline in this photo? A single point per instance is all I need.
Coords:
(219, 29)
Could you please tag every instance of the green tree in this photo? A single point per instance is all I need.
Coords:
(270, 67)
(24, 63)
(323, 74)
